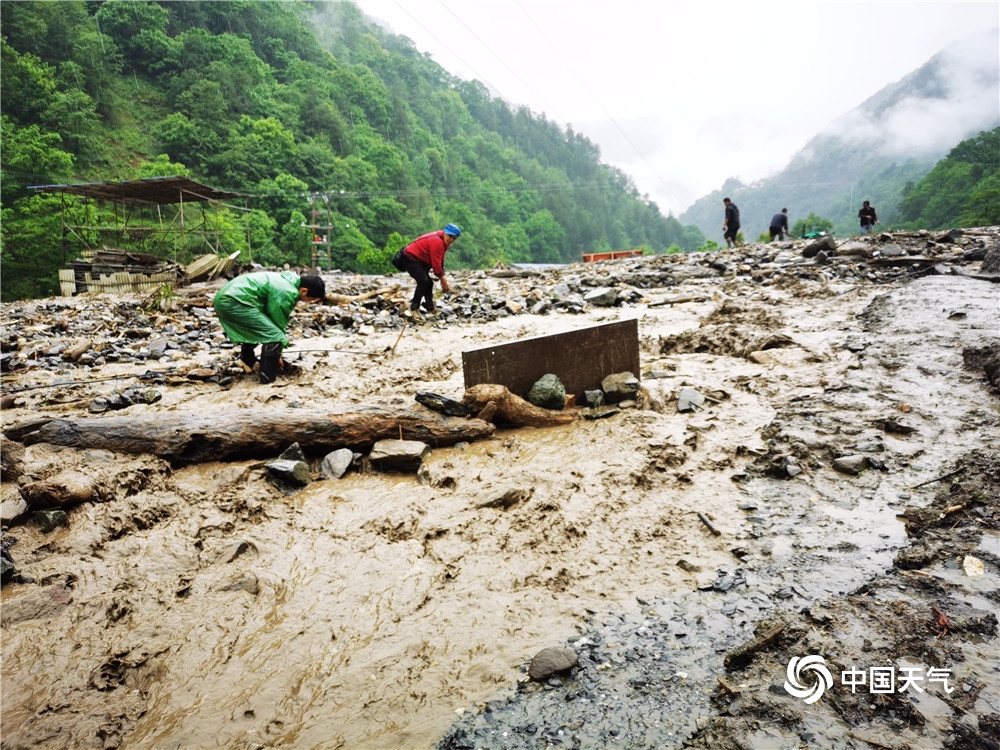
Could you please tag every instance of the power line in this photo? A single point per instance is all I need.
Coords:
(599, 103)
(500, 59)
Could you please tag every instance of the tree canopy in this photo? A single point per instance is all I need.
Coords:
(962, 190)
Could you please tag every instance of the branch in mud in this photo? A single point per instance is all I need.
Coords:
(492, 401)
(741, 656)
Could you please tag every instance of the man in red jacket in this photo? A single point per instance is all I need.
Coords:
(425, 254)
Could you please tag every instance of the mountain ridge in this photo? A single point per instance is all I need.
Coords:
(888, 142)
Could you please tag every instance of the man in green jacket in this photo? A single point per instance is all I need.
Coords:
(255, 308)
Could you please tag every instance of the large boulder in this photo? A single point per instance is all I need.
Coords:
(548, 392)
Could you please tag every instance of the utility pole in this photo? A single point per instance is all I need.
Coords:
(322, 232)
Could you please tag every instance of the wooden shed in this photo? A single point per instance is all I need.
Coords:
(152, 232)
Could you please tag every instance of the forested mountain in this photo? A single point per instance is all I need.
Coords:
(876, 152)
(280, 101)
(963, 189)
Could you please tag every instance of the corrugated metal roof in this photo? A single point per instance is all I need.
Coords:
(152, 191)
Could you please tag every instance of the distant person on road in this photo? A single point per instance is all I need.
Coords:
(425, 254)
(731, 224)
(868, 218)
(255, 309)
(779, 225)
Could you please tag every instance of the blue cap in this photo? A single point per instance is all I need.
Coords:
(452, 229)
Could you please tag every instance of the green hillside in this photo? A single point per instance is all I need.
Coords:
(281, 101)
(963, 189)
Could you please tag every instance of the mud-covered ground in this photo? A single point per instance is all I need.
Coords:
(209, 606)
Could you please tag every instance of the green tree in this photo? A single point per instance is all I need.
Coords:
(812, 223)
(959, 190)
(983, 207)
(546, 237)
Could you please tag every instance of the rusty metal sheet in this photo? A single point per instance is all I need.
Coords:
(581, 359)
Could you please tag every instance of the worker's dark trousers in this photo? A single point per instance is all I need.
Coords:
(270, 361)
(248, 355)
(420, 273)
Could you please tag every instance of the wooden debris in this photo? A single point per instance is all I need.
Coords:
(677, 301)
(709, 524)
(741, 656)
(513, 409)
(343, 299)
(184, 439)
(209, 267)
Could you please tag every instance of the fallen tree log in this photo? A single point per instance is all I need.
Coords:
(344, 299)
(184, 439)
(510, 408)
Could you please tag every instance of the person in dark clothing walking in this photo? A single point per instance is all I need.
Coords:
(731, 224)
(425, 254)
(868, 218)
(779, 225)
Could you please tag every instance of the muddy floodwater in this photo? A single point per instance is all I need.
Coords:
(208, 606)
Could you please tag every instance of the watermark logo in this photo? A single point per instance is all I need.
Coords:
(882, 679)
(812, 663)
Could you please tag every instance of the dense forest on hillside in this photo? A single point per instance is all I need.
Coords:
(289, 103)
(963, 189)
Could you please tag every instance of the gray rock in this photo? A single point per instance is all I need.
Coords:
(603, 296)
(594, 398)
(892, 250)
(854, 248)
(548, 392)
(551, 661)
(12, 505)
(991, 260)
(620, 386)
(336, 464)
(294, 472)
(689, 399)
(827, 244)
(852, 464)
(293, 453)
(48, 520)
(442, 404)
(601, 412)
(398, 455)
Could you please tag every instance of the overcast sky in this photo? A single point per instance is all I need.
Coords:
(683, 95)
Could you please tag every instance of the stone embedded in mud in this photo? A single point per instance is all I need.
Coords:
(12, 505)
(689, 399)
(293, 453)
(550, 661)
(601, 412)
(295, 472)
(398, 455)
(48, 520)
(594, 398)
(852, 464)
(66, 489)
(336, 464)
(548, 392)
(620, 386)
(603, 296)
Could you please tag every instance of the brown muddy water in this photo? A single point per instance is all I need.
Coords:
(209, 608)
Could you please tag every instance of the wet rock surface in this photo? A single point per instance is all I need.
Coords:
(395, 601)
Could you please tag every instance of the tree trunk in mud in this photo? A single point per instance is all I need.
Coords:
(511, 408)
(184, 439)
